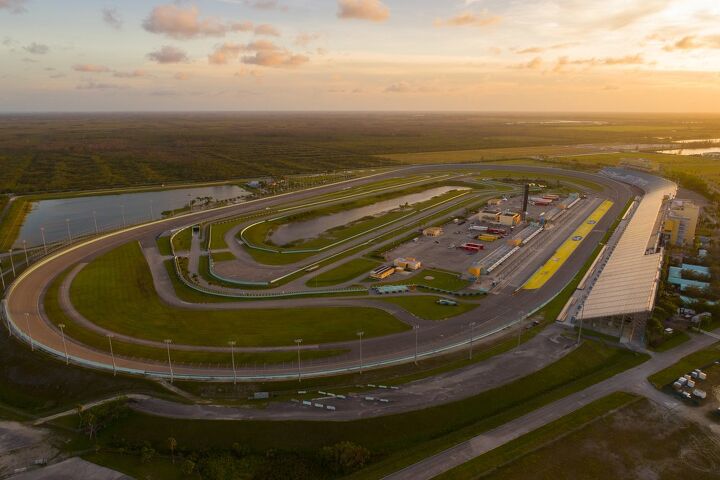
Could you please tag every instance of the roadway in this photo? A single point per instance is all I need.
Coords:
(27, 293)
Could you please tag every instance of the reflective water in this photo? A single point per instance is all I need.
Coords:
(306, 229)
(76, 214)
(693, 151)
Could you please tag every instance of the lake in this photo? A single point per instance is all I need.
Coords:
(307, 229)
(693, 151)
(109, 209)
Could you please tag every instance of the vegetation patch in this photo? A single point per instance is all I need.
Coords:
(427, 308)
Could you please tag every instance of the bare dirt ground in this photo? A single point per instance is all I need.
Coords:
(644, 441)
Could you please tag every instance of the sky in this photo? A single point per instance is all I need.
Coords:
(327, 55)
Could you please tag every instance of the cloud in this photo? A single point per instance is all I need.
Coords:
(181, 76)
(90, 68)
(533, 64)
(563, 62)
(265, 4)
(692, 42)
(266, 29)
(168, 54)
(630, 15)
(111, 17)
(373, 10)
(14, 6)
(37, 48)
(304, 39)
(468, 19)
(267, 54)
(399, 87)
(263, 29)
(179, 23)
(226, 52)
(97, 86)
(522, 51)
(132, 74)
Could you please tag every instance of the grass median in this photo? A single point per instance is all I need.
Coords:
(395, 440)
(116, 291)
(343, 273)
(427, 308)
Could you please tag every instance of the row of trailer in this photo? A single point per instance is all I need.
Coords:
(685, 386)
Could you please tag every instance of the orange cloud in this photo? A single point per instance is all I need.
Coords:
(373, 10)
(90, 68)
(168, 54)
(225, 52)
(533, 64)
(563, 62)
(468, 19)
(692, 42)
(267, 54)
(176, 22)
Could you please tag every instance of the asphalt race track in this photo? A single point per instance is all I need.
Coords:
(24, 299)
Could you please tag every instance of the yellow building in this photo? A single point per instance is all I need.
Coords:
(382, 272)
(681, 222)
(489, 216)
(407, 263)
(494, 202)
(433, 232)
(510, 218)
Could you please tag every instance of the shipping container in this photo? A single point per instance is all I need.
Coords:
(477, 228)
(497, 231)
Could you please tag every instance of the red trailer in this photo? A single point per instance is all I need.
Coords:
(472, 247)
(497, 231)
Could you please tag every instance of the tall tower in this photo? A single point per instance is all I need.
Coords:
(526, 195)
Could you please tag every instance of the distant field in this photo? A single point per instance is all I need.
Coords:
(86, 151)
(489, 154)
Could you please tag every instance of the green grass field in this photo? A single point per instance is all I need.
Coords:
(343, 273)
(182, 242)
(103, 294)
(427, 308)
(222, 256)
(396, 440)
(686, 365)
(485, 464)
(163, 244)
(131, 350)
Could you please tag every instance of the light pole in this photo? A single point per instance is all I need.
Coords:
(112, 354)
(42, 232)
(167, 343)
(27, 262)
(232, 356)
(95, 222)
(2, 275)
(62, 334)
(582, 319)
(416, 328)
(360, 335)
(472, 327)
(122, 208)
(298, 341)
(67, 222)
(12, 263)
(520, 329)
(152, 215)
(27, 321)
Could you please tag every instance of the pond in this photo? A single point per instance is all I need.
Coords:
(111, 211)
(710, 151)
(307, 229)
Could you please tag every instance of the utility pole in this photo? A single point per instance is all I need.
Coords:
(298, 341)
(232, 357)
(122, 209)
(62, 334)
(27, 262)
(152, 215)
(27, 321)
(42, 232)
(416, 328)
(360, 335)
(167, 343)
(472, 327)
(112, 354)
(582, 319)
(95, 222)
(67, 222)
